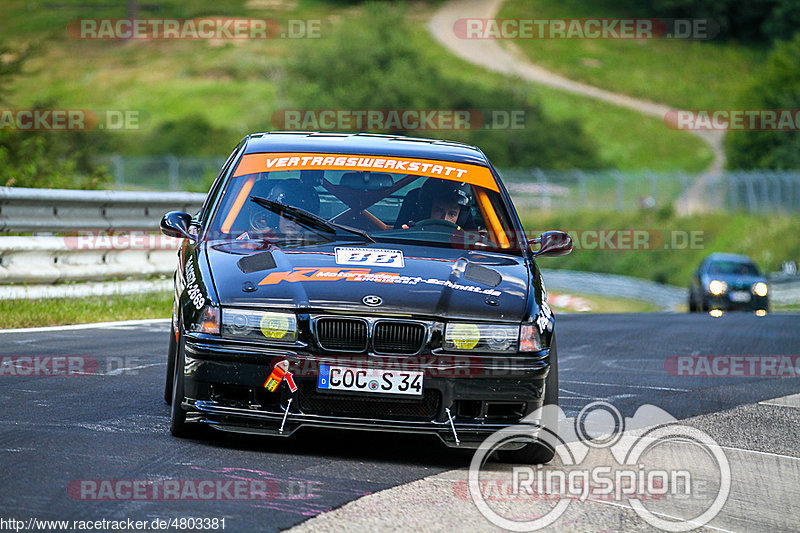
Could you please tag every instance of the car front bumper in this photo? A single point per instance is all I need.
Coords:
(464, 399)
(723, 302)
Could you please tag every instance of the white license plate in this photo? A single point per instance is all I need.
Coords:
(374, 380)
(740, 296)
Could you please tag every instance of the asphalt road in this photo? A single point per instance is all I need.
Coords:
(60, 434)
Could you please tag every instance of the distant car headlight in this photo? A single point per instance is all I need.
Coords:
(717, 287)
(463, 337)
(760, 289)
(261, 325)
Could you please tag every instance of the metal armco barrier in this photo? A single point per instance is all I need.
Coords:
(48, 259)
(51, 259)
(58, 210)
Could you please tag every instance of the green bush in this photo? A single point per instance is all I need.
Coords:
(56, 159)
(778, 87)
(52, 159)
(191, 135)
(372, 63)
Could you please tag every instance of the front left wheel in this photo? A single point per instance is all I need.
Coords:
(177, 420)
(170, 365)
(540, 452)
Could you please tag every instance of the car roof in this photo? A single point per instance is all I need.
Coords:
(364, 144)
(737, 258)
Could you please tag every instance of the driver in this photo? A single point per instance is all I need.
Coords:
(443, 200)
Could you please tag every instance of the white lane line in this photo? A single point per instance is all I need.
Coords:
(732, 448)
(579, 395)
(118, 371)
(90, 325)
(648, 387)
(792, 400)
(757, 452)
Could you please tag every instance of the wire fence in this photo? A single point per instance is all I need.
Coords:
(163, 173)
(750, 191)
(732, 191)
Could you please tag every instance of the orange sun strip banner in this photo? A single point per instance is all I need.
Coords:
(281, 161)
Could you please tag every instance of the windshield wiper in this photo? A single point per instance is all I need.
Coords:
(304, 218)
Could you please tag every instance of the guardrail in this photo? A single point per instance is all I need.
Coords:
(97, 256)
(58, 210)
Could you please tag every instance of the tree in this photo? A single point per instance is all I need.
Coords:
(778, 87)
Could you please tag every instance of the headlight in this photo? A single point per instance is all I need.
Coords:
(208, 322)
(760, 289)
(263, 325)
(481, 337)
(717, 287)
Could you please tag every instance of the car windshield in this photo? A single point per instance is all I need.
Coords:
(418, 208)
(733, 267)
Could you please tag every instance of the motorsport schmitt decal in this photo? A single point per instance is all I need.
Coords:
(364, 275)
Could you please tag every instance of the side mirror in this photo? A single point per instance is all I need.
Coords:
(552, 243)
(176, 224)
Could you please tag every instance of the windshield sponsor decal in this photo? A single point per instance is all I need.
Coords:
(369, 257)
(279, 161)
(364, 275)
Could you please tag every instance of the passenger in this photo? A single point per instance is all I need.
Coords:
(292, 192)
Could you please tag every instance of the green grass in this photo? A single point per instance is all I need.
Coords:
(237, 85)
(627, 140)
(58, 311)
(680, 73)
(670, 258)
(604, 304)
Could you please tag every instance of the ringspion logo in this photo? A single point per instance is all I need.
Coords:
(659, 465)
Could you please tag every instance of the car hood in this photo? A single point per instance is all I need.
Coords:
(433, 282)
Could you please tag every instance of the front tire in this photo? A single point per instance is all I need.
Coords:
(540, 452)
(177, 420)
(170, 366)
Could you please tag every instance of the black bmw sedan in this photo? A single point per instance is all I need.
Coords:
(364, 282)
